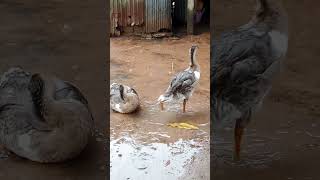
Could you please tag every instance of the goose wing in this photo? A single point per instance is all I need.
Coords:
(182, 83)
(65, 91)
(69, 90)
(240, 59)
(238, 56)
(17, 111)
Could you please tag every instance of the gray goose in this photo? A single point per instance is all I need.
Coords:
(42, 118)
(183, 83)
(244, 62)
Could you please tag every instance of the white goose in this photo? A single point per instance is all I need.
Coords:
(123, 99)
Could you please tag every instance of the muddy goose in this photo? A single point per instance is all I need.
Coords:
(244, 62)
(123, 99)
(183, 83)
(43, 119)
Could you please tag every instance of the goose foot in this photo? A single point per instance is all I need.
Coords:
(238, 132)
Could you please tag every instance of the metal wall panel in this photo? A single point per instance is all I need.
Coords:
(126, 13)
(158, 15)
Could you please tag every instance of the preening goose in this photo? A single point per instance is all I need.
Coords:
(183, 83)
(123, 99)
(42, 118)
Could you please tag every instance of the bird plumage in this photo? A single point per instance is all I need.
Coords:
(244, 62)
(123, 99)
(183, 83)
(37, 125)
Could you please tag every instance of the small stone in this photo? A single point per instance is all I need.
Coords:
(120, 155)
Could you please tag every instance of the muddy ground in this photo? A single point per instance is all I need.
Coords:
(67, 39)
(283, 140)
(142, 145)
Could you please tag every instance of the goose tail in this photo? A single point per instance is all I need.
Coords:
(164, 97)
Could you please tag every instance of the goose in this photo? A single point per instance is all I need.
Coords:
(123, 99)
(244, 62)
(42, 118)
(183, 83)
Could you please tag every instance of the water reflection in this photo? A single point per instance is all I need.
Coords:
(257, 151)
(134, 160)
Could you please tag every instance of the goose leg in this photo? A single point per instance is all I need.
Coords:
(184, 105)
(161, 106)
(241, 124)
(238, 132)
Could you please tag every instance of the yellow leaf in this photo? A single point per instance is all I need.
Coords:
(182, 126)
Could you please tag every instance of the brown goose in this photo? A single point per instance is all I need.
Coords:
(42, 118)
(244, 62)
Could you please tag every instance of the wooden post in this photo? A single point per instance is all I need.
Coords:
(190, 15)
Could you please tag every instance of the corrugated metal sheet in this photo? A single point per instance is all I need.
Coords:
(126, 13)
(158, 15)
(181, 11)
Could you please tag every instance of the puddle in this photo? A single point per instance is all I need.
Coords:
(256, 150)
(132, 160)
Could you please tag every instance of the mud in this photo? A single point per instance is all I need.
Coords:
(142, 145)
(282, 142)
(56, 37)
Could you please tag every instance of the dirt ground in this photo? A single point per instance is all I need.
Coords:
(142, 145)
(65, 38)
(283, 140)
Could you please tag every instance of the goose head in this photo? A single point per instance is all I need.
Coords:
(193, 65)
(272, 14)
(122, 91)
(117, 90)
(193, 53)
(61, 125)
